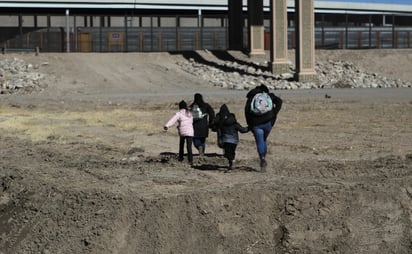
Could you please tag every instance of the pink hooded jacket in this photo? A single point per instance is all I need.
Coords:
(185, 123)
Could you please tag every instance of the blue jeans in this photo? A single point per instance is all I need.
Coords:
(261, 132)
(199, 142)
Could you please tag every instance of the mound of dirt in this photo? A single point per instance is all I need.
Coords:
(87, 168)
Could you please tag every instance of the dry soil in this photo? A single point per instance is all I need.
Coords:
(86, 167)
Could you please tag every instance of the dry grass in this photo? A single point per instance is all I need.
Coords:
(40, 126)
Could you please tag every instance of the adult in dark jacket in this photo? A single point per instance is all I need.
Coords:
(226, 125)
(201, 125)
(261, 125)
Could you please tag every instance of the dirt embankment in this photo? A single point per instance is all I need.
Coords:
(86, 167)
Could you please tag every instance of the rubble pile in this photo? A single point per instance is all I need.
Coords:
(331, 74)
(17, 76)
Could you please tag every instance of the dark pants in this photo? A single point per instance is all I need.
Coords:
(189, 141)
(230, 151)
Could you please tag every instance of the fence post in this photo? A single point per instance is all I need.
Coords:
(378, 40)
(370, 31)
(126, 37)
(178, 41)
(159, 37)
(75, 39)
(395, 40)
(67, 31)
(393, 31)
(100, 35)
(28, 40)
(346, 30)
(41, 39)
(215, 40)
(21, 30)
(141, 41)
(341, 39)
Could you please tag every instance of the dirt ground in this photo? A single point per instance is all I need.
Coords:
(86, 167)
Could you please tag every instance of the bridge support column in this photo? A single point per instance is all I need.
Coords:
(256, 27)
(279, 37)
(236, 24)
(305, 37)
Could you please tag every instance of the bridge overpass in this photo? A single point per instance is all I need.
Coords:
(120, 4)
(400, 6)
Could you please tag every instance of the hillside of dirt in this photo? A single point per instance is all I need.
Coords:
(87, 168)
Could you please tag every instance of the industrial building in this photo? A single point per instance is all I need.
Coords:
(156, 25)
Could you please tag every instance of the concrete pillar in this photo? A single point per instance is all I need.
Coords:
(256, 27)
(305, 37)
(236, 24)
(279, 37)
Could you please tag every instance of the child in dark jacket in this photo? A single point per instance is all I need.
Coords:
(226, 125)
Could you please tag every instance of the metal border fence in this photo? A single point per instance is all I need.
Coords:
(103, 37)
(185, 39)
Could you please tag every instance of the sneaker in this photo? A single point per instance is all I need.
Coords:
(263, 165)
(200, 160)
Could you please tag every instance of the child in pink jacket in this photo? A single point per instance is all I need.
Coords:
(184, 120)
